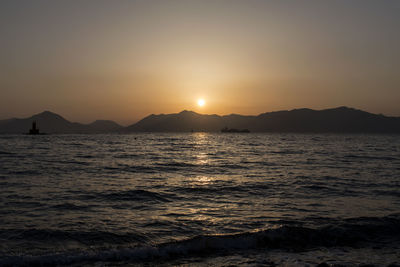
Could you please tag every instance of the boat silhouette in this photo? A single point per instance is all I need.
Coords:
(233, 130)
(34, 130)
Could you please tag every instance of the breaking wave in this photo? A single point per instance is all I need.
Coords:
(357, 232)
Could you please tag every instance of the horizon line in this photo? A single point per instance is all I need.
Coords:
(204, 114)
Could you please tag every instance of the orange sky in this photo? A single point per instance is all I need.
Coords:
(123, 60)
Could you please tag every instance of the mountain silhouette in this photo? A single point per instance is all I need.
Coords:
(184, 121)
(335, 120)
(49, 122)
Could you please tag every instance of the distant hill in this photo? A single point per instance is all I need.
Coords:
(49, 122)
(336, 120)
(100, 126)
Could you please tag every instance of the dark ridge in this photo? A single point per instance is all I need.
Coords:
(334, 120)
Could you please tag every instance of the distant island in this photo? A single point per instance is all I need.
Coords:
(52, 123)
(335, 120)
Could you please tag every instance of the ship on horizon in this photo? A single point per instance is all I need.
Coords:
(34, 130)
(232, 130)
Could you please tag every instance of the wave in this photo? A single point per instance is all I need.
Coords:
(394, 192)
(89, 238)
(127, 156)
(25, 172)
(358, 232)
(287, 151)
(176, 167)
(225, 189)
(70, 206)
(365, 157)
(131, 195)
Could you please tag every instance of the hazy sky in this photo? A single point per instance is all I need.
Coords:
(123, 60)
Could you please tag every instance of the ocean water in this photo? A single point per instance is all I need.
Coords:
(200, 199)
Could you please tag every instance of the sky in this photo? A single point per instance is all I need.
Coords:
(123, 60)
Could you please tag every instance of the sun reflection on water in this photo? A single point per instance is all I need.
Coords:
(202, 180)
(202, 158)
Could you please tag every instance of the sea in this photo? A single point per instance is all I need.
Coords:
(200, 199)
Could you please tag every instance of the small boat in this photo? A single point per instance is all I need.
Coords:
(232, 130)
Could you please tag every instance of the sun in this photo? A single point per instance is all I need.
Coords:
(201, 102)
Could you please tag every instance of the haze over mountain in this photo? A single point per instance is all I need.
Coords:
(336, 120)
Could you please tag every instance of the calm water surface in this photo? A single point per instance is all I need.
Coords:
(200, 199)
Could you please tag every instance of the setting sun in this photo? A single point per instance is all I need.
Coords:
(201, 102)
